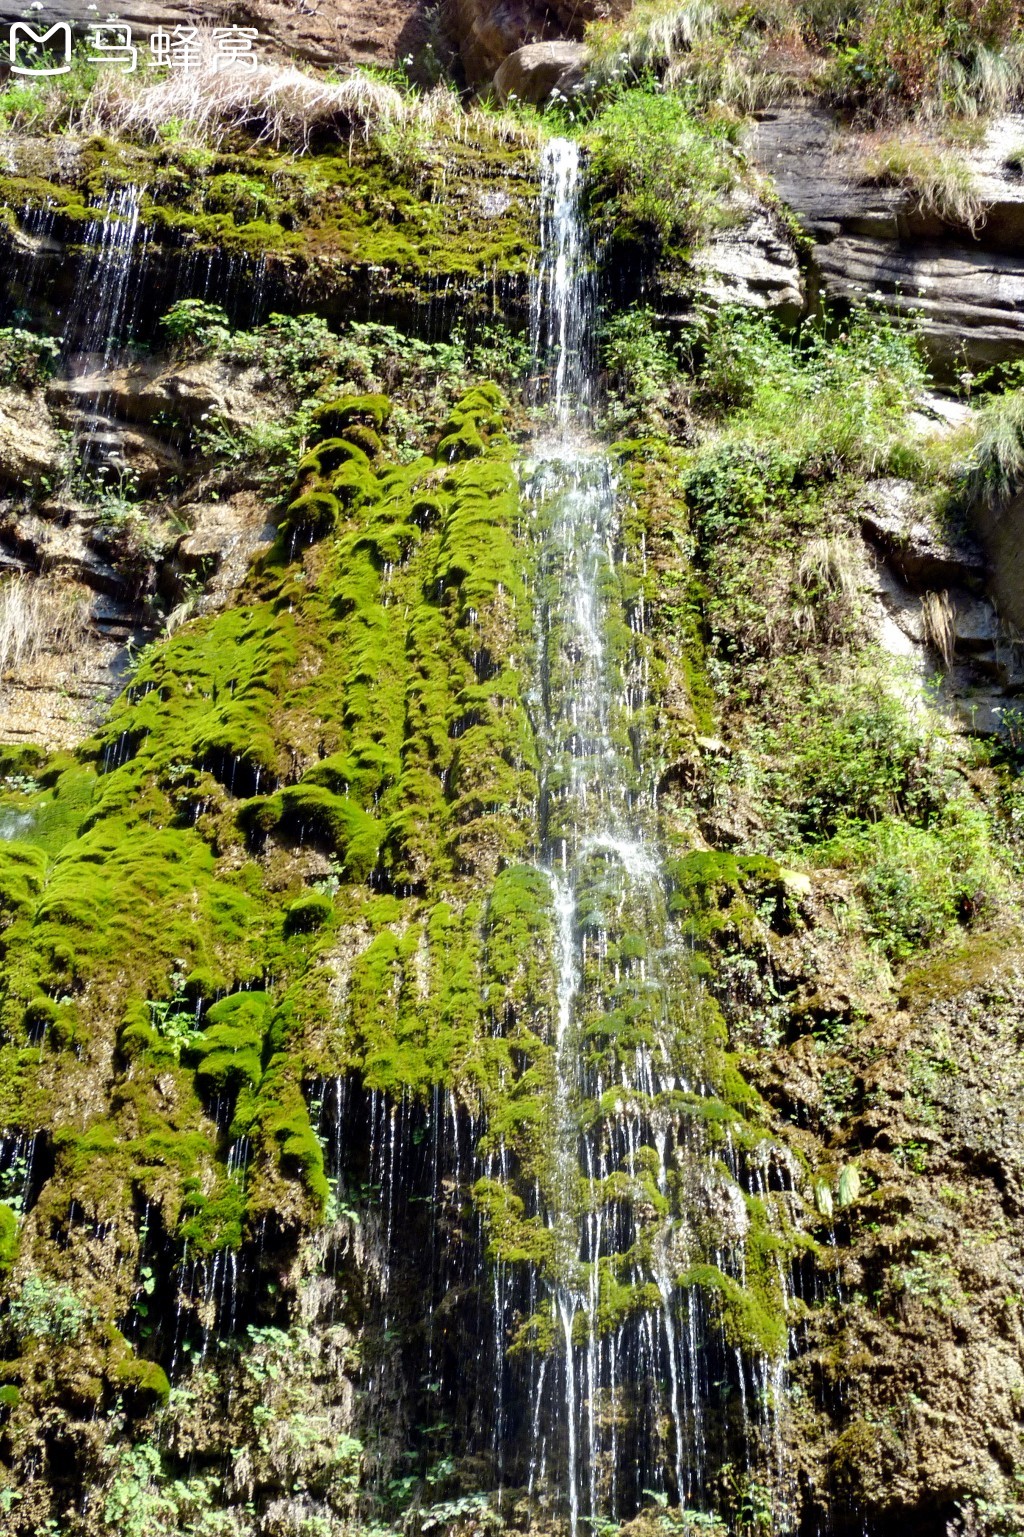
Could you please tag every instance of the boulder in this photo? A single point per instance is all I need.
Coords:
(922, 556)
(753, 263)
(532, 73)
(486, 32)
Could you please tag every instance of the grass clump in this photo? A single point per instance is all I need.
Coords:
(939, 180)
(886, 59)
(994, 474)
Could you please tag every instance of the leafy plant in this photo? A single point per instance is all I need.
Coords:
(27, 360)
(657, 169)
(46, 1310)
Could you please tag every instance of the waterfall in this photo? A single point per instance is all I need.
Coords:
(616, 1130)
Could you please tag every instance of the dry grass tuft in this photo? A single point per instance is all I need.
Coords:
(280, 105)
(938, 617)
(940, 180)
(828, 565)
(39, 615)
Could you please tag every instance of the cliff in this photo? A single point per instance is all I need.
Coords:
(510, 816)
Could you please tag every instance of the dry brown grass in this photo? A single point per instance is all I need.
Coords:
(938, 618)
(937, 177)
(39, 615)
(278, 104)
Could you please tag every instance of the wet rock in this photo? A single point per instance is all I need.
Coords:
(223, 538)
(185, 393)
(30, 450)
(532, 73)
(113, 451)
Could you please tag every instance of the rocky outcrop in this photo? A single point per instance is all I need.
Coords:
(321, 32)
(30, 449)
(533, 73)
(1001, 531)
(876, 242)
(752, 262)
(488, 31)
(154, 389)
(931, 603)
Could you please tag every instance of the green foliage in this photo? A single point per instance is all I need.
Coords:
(836, 398)
(886, 58)
(944, 55)
(26, 360)
(639, 361)
(995, 472)
(45, 1311)
(196, 325)
(657, 170)
(845, 752)
(918, 882)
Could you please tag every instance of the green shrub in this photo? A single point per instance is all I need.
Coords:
(845, 752)
(917, 882)
(46, 1310)
(194, 325)
(27, 360)
(638, 359)
(835, 396)
(656, 168)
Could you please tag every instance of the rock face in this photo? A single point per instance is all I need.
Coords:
(29, 447)
(752, 263)
(1001, 530)
(489, 31)
(532, 73)
(322, 32)
(875, 242)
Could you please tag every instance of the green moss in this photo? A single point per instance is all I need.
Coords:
(8, 1237)
(336, 417)
(142, 1381)
(228, 1053)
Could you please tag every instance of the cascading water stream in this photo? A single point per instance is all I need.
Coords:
(612, 1116)
(589, 815)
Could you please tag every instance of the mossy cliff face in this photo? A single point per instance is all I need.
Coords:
(335, 768)
(405, 222)
(279, 1084)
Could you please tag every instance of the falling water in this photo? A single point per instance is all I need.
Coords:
(109, 288)
(615, 1113)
